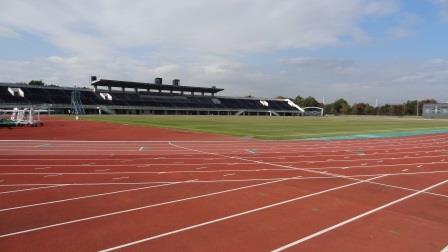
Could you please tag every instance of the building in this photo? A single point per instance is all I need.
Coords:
(437, 110)
(125, 97)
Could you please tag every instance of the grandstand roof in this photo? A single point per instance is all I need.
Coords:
(143, 85)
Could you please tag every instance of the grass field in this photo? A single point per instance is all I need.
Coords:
(282, 127)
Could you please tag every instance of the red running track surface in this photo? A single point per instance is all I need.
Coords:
(75, 185)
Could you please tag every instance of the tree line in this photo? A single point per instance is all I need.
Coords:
(40, 83)
(342, 107)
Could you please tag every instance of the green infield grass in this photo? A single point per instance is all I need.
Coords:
(286, 127)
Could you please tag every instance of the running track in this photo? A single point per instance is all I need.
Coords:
(214, 193)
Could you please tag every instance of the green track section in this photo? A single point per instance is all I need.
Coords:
(384, 135)
(337, 127)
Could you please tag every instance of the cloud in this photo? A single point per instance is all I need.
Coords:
(322, 64)
(388, 81)
(219, 27)
(211, 42)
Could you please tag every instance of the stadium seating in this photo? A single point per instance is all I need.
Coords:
(62, 96)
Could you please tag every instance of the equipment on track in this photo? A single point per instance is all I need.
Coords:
(22, 117)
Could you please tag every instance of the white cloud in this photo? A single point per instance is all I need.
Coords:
(207, 42)
(389, 81)
(102, 27)
(322, 64)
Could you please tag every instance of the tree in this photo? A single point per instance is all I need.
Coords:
(411, 107)
(310, 102)
(385, 109)
(341, 106)
(298, 100)
(36, 83)
(328, 108)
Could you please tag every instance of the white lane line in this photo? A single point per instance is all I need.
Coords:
(305, 169)
(264, 157)
(228, 180)
(141, 148)
(43, 145)
(140, 208)
(314, 171)
(248, 162)
(119, 178)
(252, 151)
(31, 189)
(258, 180)
(444, 249)
(103, 170)
(323, 231)
(52, 175)
(229, 174)
(347, 148)
(117, 141)
(339, 146)
(89, 196)
(123, 164)
(234, 216)
(42, 168)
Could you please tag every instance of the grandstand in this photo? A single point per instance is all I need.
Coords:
(125, 97)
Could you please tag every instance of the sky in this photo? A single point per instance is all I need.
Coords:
(361, 50)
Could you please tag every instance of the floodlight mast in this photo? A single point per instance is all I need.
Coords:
(417, 107)
(323, 106)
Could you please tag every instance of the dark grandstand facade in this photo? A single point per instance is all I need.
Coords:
(125, 97)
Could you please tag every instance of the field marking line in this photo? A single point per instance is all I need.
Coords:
(444, 249)
(43, 145)
(248, 162)
(315, 171)
(340, 224)
(31, 189)
(264, 156)
(284, 168)
(89, 196)
(234, 215)
(311, 170)
(140, 208)
(260, 146)
(119, 141)
(102, 172)
(132, 149)
(340, 142)
(261, 151)
(227, 180)
(346, 148)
